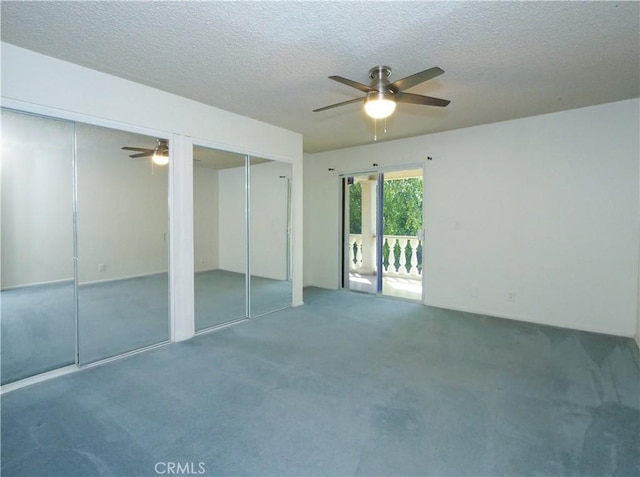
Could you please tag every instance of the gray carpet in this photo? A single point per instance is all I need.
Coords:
(122, 315)
(38, 330)
(346, 385)
(38, 325)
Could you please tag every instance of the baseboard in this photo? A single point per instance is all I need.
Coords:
(205, 270)
(39, 284)
(117, 279)
(92, 282)
(242, 273)
(536, 321)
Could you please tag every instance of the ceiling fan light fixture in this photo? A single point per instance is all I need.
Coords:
(380, 104)
(161, 153)
(160, 158)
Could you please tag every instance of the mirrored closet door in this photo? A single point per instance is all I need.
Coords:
(270, 226)
(233, 194)
(84, 244)
(37, 271)
(220, 255)
(122, 227)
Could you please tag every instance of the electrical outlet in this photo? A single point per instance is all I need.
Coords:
(101, 267)
(511, 296)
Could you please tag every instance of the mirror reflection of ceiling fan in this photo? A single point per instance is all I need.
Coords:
(382, 95)
(159, 154)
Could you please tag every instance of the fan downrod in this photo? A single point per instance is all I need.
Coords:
(380, 72)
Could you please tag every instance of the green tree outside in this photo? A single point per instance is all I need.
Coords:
(402, 213)
(355, 208)
(402, 206)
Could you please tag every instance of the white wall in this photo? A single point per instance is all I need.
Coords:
(268, 219)
(231, 215)
(122, 208)
(205, 218)
(545, 208)
(122, 204)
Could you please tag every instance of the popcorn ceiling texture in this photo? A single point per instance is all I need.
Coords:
(270, 60)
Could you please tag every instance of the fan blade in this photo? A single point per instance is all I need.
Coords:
(354, 84)
(409, 81)
(141, 149)
(142, 154)
(419, 99)
(339, 104)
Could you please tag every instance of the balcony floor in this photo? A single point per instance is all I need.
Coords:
(409, 288)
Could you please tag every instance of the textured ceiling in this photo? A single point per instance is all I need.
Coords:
(270, 60)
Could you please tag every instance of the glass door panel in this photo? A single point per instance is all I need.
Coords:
(219, 203)
(360, 238)
(270, 226)
(402, 239)
(37, 278)
(123, 281)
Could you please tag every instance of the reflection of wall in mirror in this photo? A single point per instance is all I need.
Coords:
(269, 195)
(231, 216)
(269, 208)
(205, 218)
(122, 208)
(122, 204)
(37, 200)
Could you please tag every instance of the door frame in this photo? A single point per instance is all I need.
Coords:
(343, 272)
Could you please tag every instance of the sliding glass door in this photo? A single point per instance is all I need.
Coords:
(383, 233)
